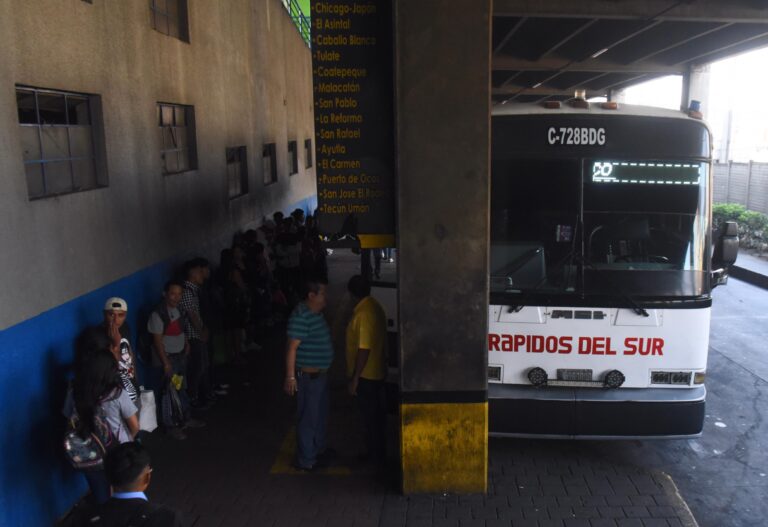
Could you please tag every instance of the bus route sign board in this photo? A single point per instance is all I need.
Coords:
(354, 118)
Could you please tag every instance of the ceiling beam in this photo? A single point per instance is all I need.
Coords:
(509, 34)
(505, 62)
(711, 10)
(513, 91)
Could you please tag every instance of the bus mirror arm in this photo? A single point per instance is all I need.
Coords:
(725, 252)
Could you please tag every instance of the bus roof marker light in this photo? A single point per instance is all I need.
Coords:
(551, 105)
(579, 99)
(609, 105)
(694, 110)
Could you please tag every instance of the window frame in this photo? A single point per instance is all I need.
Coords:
(190, 133)
(293, 157)
(181, 16)
(269, 151)
(96, 143)
(308, 157)
(239, 154)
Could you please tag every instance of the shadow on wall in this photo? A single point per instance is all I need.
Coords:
(36, 483)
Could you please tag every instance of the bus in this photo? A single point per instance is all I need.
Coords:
(602, 265)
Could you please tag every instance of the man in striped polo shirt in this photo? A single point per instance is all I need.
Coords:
(309, 355)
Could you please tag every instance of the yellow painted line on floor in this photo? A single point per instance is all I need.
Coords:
(285, 456)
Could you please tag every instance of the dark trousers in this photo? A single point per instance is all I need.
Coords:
(198, 381)
(97, 482)
(372, 403)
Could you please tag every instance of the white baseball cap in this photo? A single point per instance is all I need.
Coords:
(115, 304)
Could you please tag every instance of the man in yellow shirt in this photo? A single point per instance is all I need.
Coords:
(367, 365)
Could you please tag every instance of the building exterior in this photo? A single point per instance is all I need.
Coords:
(134, 134)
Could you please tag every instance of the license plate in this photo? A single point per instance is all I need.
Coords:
(574, 375)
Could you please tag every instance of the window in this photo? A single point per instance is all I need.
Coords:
(237, 172)
(293, 157)
(178, 150)
(269, 157)
(62, 146)
(169, 17)
(308, 153)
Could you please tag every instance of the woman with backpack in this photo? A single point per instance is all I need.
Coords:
(97, 405)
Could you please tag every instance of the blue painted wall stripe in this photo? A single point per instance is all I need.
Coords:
(37, 485)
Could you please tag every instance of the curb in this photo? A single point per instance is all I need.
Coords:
(751, 277)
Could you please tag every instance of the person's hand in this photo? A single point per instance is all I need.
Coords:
(353, 386)
(114, 334)
(167, 369)
(290, 386)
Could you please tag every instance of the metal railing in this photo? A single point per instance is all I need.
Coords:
(300, 19)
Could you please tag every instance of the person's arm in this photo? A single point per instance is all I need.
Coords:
(133, 424)
(360, 362)
(290, 385)
(159, 346)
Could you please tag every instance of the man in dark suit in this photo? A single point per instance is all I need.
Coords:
(129, 472)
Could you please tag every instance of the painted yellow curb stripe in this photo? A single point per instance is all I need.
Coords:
(444, 447)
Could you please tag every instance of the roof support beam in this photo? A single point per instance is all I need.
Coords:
(505, 62)
(509, 34)
(711, 10)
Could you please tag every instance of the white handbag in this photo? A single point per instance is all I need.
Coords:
(148, 411)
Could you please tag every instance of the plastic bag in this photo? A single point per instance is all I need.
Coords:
(148, 411)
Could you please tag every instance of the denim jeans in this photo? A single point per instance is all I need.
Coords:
(312, 425)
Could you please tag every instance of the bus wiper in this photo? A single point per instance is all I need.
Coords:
(566, 260)
(639, 310)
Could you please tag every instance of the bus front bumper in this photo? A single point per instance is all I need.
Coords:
(591, 413)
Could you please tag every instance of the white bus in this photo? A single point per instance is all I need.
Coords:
(601, 271)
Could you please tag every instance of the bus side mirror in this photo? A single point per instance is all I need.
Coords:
(725, 253)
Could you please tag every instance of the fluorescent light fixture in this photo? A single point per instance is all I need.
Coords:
(599, 52)
(536, 85)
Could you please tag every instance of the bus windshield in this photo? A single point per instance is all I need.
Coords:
(599, 227)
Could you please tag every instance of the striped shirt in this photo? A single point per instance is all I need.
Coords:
(190, 303)
(315, 349)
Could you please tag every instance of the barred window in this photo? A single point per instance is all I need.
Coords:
(170, 17)
(61, 139)
(237, 171)
(269, 160)
(178, 150)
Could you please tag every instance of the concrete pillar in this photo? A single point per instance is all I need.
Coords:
(443, 147)
(696, 87)
(619, 96)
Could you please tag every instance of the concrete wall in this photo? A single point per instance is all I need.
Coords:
(742, 183)
(247, 73)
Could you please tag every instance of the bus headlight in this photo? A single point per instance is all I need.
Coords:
(698, 377)
(537, 376)
(614, 379)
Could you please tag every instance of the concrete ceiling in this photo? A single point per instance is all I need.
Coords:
(547, 49)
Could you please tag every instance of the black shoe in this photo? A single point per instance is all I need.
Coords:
(302, 468)
(327, 455)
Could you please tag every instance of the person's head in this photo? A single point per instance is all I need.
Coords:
(128, 467)
(204, 266)
(172, 293)
(115, 311)
(193, 272)
(277, 217)
(359, 287)
(96, 375)
(298, 215)
(314, 294)
(88, 343)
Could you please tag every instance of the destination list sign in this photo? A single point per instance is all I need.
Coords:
(354, 123)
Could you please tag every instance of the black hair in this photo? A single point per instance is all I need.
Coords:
(312, 285)
(199, 262)
(359, 286)
(171, 283)
(96, 376)
(125, 463)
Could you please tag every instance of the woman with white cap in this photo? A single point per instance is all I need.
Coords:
(115, 311)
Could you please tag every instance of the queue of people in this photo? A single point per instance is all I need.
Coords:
(270, 276)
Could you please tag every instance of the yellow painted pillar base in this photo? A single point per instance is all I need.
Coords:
(444, 447)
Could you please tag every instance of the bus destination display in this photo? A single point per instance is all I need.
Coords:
(645, 172)
(354, 122)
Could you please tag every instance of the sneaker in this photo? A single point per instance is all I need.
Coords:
(220, 391)
(302, 468)
(194, 423)
(327, 455)
(176, 433)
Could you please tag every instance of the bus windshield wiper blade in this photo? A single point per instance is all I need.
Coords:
(637, 308)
